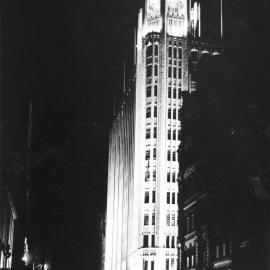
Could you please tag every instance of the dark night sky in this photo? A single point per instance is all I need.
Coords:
(69, 56)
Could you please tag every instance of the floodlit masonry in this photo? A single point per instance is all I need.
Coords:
(142, 208)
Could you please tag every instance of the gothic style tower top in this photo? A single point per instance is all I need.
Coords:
(176, 17)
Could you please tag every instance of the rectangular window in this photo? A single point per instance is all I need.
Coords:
(154, 153)
(167, 264)
(174, 72)
(175, 52)
(173, 220)
(173, 198)
(168, 219)
(187, 224)
(153, 196)
(155, 111)
(147, 174)
(169, 113)
(179, 135)
(179, 73)
(154, 176)
(146, 219)
(145, 265)
(173, 242)
(192, 222)
(168, 197)
(145, 241)
(156, 70)
(153, 240)
(179, 53)
(155, 90)
(217, 252)
(149, 71)
(148, 112)
(167, 241)
(147, 154)
(168, 177)
(169, 134)
(152, 265)
(224, 250)
(148, 133)
(153, 218)
(174, 113)
(169, 92)
(156, 49)
(170, 51)
(174, 93)
(155, 133)
(179, 114)
(174, 134)
(170, 72)
(148, 91)
(173, 156)
(146, 197)
(179, 93)
(173, 177)
(172, 263)
(168, 155)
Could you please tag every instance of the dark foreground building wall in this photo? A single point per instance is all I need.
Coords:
(225, 166)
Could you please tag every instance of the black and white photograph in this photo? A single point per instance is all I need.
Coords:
(134, 135)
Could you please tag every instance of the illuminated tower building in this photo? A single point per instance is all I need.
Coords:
(142, 210)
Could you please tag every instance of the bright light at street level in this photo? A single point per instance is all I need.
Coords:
(25, 258)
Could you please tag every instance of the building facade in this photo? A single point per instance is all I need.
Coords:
(142, 208)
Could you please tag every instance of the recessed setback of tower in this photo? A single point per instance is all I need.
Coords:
(142, 208)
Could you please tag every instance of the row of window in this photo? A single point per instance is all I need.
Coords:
(149, 241)
(147, 175)
(171, 177)
(172, 72)
(171, 155)
(221, 251)
(171, 219)
(172, 92)
(150, 50)
(171, 197)
(149, 69)
(148, 133)
(148, 155)
(149, 91)
(172, 134)
(190, 261)
(170, 241)
(146, 220)
(148, 112)
(146, 263)
(147, 196)
(174, 52)
(172, 113)
(173, 264)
